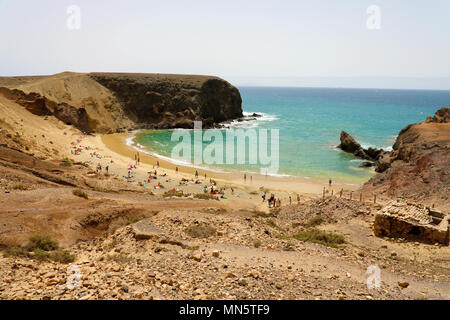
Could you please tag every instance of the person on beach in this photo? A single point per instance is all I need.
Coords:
(107, 169)
(290, 200)
(157, 164)
(271, 199)
(176, 169)
(279, 202)
(251, 179)
(329, 182)
(196, 174)
(245, 177)
(264, 197)
(298, 198)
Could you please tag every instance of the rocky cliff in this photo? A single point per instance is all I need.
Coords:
(112, 102)
(418, 168)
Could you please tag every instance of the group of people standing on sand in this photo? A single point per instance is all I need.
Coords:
(272, 201)
(196, 174)
(245, 178)
(100, 168)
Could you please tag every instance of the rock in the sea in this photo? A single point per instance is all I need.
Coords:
(366, 164)
(349, 144)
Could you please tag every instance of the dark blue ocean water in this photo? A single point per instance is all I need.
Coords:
(310, 120)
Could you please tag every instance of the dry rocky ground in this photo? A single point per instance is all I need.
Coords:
(207, 252)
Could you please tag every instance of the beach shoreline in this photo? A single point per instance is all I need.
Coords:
(117, 143)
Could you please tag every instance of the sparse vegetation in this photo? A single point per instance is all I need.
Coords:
(66, 162)
(40, 255)
(261, 214)
(314, 221)
(173, 193)
(274, 225)
(206, 196)
(200, 231)
(41, 242)
(257, 243)
(282, 237)
(120, 258)
(15, 251)
(40, 248)
(295, 225)
(320, 237)
(125, 221)
(62, 256)
(80, 193)
(20, 186)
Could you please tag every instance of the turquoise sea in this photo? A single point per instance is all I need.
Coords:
(310, 121)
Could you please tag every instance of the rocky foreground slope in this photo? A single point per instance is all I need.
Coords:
(111, 102)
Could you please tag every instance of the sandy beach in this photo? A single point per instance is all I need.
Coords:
(114, 147)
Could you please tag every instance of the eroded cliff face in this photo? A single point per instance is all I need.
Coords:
(418, 168)
(113, 102)
(173, 101)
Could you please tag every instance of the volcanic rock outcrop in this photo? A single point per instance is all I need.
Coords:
(418, 167)
(349, 144)
(113, 102)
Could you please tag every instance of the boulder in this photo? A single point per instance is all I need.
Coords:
(442, 115)
(144, 230)
(349, 144)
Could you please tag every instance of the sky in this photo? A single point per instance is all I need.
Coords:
(249, 42)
